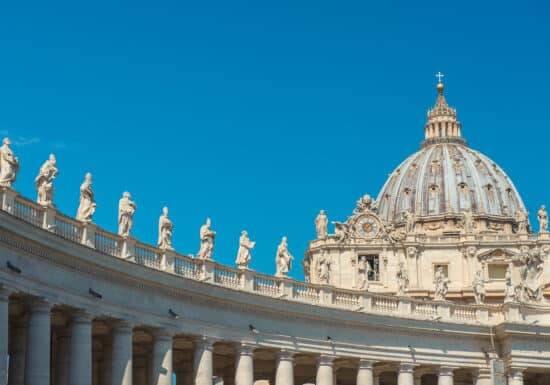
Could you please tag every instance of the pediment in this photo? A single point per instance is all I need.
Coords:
(497, 254)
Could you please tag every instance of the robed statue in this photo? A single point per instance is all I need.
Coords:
(44, 181)
(207, 236)
(321, 223)
(243, 255)
(87, 205)
(9, 164)
(166, 227)
(283, 259)
(126, 211)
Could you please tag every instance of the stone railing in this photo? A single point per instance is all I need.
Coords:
(89, 235)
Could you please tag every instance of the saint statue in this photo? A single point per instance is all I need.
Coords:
(283, 259)
(522, 223)
(468, 221)
(478, 286)
(87, 205)
(166, 227)
(321, 223)
(510, 292)
(44, 181)
(341, 231)
(207, 236)
(531, 275)
(306, 266)
(323, 270)
(402, 280)
(543, 219)
(409, 225)
(363, 269)
(9, 164)
(243, 255)
(126, 211)
(441, 283)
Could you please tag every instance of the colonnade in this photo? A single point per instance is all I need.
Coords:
(74, 363)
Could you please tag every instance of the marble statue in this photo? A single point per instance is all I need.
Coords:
(306, 266)
(510, 292)
(365, 204)
(323, 270)
(468, 221)
(166, 227)
(402, 280)
(283, 259)
(243, 255)
(363, 269)
(478, 286)
(87, 205)
(543, 219)
(44, 181)
(321, 223)
(409, 222)
(393, 235)
(441, 283)
(9, 164)
(126, 211)
(522, 223)
(207, 236)
(531, 275)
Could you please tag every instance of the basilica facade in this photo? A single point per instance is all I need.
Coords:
(440, 279)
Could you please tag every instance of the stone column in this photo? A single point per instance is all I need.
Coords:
(406, 374)
(482, 377)
(284, 373)
(37, 365)
(4, 331)
(121, 359)
(62, 359)
(203, 365)
(18, 345)
(365, 375)
(376, 379)
(80, 372)
(325, 370)
(162, 358)
(445, 375)
(515, 376)
(417, 379)
(244, 367)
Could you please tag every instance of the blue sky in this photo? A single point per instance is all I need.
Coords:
(258, 114)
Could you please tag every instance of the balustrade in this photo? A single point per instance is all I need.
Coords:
(68, 228)
(28, 211)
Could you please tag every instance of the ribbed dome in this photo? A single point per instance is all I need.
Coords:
(447, 177)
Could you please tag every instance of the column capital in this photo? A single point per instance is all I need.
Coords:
(4, 294)
(406, 367)
(285, 355)
(326, 360)
(516, 371)
(205, 343)
(245, 348)
(122, 326)
(163, 334)
(447, 370)
(81, 316)
(39, 305)
(366, 363)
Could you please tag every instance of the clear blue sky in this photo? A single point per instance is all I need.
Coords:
(260, 113)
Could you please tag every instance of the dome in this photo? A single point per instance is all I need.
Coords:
(447, 177)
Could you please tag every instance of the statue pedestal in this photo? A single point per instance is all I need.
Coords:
(48, 221)
(247, 279)
(8, 199)
(482, 315)
(325, 295)
(128, 249)
(444, 309)
(167, 260)
(544, 236)
(88, 234)
(512, 310)
(207, 267)
(404, 306)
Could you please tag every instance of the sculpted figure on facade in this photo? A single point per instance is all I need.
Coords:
(342, 231)
(365, 204)
(243, 255)
(468, 221)
(409, 222)
(9, 164)
(87, 205)
(543, 219)
(441, 283)
(207, 236)
(126, 211)
(283, 259)
(393, 235)
(522, 221)
(531, 276)
(402, 280)
(306, 266)
(478, 286)
(321, 223)
(323, 270)
(44, 181)
(166, 227)
(363, 270)
(510, 292)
